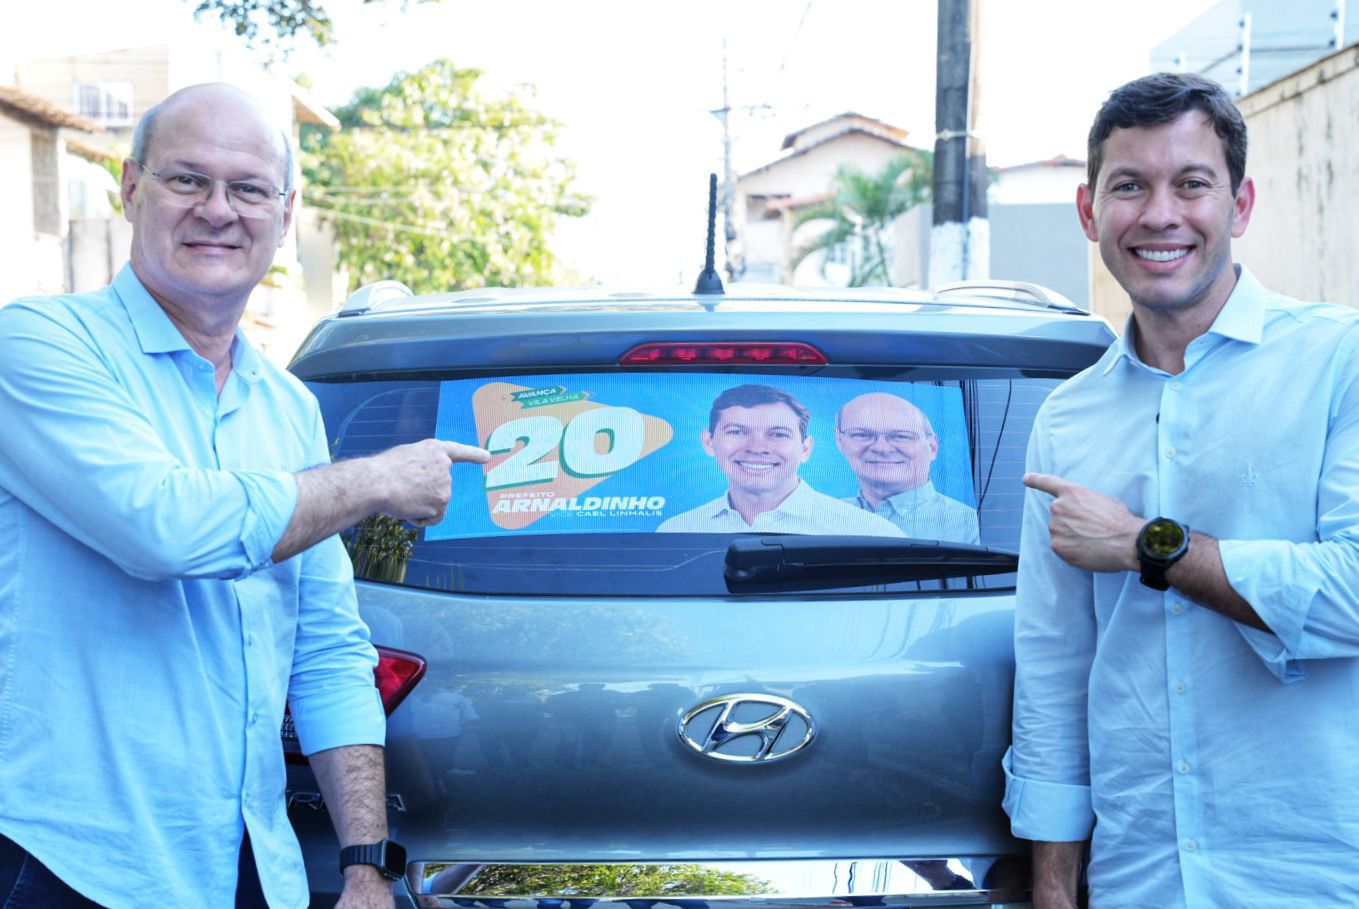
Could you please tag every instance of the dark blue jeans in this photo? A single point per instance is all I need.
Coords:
(26, 883)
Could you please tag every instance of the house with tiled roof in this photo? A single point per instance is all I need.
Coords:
(769, 197)
(35, 172)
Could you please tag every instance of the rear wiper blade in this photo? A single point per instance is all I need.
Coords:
(766, 564)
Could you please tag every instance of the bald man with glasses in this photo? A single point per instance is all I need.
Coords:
(171, 576)
(890, 446)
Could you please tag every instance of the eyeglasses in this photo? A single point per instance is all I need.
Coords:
(248, 198)
(896, 437)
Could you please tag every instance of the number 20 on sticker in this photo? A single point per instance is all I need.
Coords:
(579, 452)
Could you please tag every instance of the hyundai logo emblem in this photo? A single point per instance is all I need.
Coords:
(747, 728)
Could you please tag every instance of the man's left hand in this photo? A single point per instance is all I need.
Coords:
(365, 888)
(1089, 529)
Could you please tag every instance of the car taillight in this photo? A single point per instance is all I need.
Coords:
(396, 673)
(744, 353)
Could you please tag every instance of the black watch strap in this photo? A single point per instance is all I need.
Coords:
(388, 857)
(1154, 575)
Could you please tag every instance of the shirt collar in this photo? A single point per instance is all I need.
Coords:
(1242, 318)
(157, 334)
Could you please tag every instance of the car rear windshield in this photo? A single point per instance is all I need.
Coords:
(634, 483)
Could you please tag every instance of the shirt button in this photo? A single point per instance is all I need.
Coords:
(1175, 385)
(1177, 608)
(1183, 768)
(1179, 687)
(1170, 452)
(1191, 845)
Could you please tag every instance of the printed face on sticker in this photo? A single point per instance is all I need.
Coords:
(888, 443)
(759, 448)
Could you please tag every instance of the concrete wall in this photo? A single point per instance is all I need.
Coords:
(31, 261)
(1031, 184)
(16, 228)
(98, 249)
(1042, 244)
(1304, 131)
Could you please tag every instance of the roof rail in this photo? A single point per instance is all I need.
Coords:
(1011, 292)
(373, 295)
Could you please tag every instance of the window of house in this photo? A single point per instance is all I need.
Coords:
(109, 103)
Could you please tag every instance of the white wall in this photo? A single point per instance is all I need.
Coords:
(29, 262)
(1036, 184)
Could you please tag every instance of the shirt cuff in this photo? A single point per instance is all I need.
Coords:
(341, 716)
(271, 497)
(1281, 603)
(1047, 812)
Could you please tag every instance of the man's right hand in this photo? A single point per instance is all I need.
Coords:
(419, 484)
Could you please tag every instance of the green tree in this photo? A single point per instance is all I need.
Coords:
(274, 22)
(861, 209)
(433, 183)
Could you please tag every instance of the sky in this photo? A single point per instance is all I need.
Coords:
(634, 83)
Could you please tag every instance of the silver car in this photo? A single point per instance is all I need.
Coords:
(727, 618)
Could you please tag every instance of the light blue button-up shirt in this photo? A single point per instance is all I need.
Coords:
(804, 511)
(925, 513)
(1216, 763)
(147, 642)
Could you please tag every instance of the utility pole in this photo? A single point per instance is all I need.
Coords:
(735, 262)
(960, 239)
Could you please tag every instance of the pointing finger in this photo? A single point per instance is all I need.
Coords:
(457, 451)
(1045, 482)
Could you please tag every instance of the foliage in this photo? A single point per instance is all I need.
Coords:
(435, 184)
(254, 20)
(380, 546)
(861, 210)
(612, 880)
(264, 23)
(113, 163)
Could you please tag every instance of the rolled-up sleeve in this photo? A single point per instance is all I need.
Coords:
(1047, 769)
(1307, 591)
(331, 692)
(271, 499)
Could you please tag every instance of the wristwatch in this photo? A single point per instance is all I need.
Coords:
(388, 856)
(1161, 543)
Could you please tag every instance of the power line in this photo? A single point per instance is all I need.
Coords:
(377, 222)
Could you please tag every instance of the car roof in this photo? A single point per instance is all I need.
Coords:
(384, 328)
(391, 297)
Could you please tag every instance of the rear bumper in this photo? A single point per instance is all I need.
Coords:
(797, 884)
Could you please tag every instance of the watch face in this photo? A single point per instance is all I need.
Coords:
(1163, 538)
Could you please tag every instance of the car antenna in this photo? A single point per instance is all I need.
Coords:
(709, 282)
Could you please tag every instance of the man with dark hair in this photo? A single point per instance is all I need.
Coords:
(758, 436)
(170, 574)
(754, 396)
(1184, 699)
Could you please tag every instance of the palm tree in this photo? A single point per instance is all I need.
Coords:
(862, 207)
